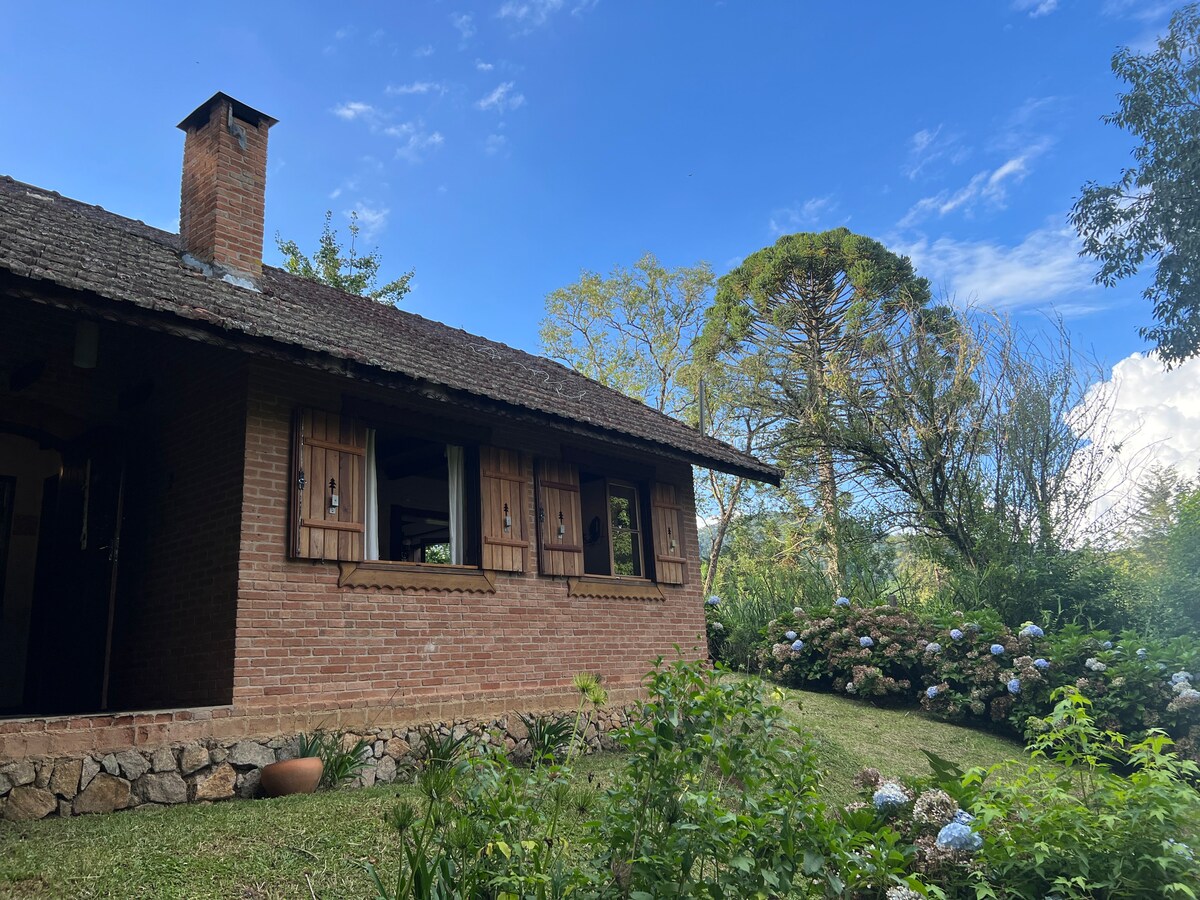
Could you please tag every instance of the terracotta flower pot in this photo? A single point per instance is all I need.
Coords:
(292, 776)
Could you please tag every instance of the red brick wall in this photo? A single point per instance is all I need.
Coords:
(303, 643)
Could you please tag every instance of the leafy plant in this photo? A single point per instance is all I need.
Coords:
(341, 762)
(549, 737)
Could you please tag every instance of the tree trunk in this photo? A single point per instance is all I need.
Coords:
(827, 489)
(714, 552)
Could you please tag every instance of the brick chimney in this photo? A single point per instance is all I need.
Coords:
(224, 182)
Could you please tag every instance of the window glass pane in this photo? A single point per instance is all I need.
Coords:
(626, 537)
(624, 553)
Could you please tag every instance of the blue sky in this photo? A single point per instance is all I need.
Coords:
(500, 147)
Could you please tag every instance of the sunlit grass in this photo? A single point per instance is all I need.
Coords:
(314, 846)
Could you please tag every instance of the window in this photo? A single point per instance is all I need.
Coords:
(613, 539)
(384, 496)
(417, 502)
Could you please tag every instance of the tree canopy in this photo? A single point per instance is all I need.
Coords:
(1150, 213)
(343, 268)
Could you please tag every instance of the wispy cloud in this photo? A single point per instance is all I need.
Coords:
(424, 51)
(804, 215)
(1042, 271)
(989, 187)
(495, 144)
(483, 66)
(416, 143)
(355, 109)
(933, 145)
(465, 24)
(503, 97)
(1035, 8)
(526, 15)
(371, 219)
(416, 87)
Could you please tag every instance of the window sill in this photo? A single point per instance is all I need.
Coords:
(614, 588)
(397, 576)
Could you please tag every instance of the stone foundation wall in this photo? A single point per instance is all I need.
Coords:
(211, 770)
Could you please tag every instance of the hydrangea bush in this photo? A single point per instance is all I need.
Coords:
(973, 669)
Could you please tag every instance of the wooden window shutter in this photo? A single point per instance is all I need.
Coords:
(328, 486)
(666, 515)
(560, 522)
(502, 505)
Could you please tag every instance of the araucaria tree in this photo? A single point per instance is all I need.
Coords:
(344, 269)
(818, 311)
(1151, 212)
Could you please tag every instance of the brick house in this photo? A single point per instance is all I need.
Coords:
(238, 504)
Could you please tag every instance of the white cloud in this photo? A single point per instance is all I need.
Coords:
(494, 144)
(425, 50)
(416, 142)
(1036, 8)
(483, 66)
(371, 219)
(502, 98)
(931, 145)
(354, 110)
(803, 216)
(989, 186)
(526, 15)
(465, 24)
(417, 87)
(1152, 418)
(1044, 270)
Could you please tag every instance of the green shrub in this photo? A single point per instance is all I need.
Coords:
(341, 761)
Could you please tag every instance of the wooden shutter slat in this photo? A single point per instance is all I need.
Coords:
(328, 446)
(502, 483)
(666, 519)
(558, 491)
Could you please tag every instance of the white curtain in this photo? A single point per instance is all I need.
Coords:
(371, 510)
(454, 461)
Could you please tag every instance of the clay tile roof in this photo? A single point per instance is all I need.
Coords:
(50, 238)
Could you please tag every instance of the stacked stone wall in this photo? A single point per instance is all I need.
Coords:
(211, 770)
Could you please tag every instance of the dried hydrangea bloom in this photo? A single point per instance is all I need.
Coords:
(934, 807)
(868, 779)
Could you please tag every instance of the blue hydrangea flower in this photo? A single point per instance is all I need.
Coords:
(962, 817)
(1014, 685)
(890, 796)
(1031, 630)
(933, 647)
(1180, 849)
(842, 601)
(931, 692)
(791, 635)
(1095, 665)
(713, 601)
(1141, 653)
(797, 645)
(956, 634)
(1041, 663)
(1107, 645)
(972, 627)
(717, 626)
(1180, 677)
(997, 649)
(957, 836)
(865, 641)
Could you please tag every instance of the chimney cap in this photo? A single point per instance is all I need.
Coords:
(246, 113)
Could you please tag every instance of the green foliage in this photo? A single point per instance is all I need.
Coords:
(1149, 214)
(343, 268)
(549, 737)
(716, 800)
(342, 760)
(1077, 829)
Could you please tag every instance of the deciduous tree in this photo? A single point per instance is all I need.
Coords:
(343, 268)
(1150, 213)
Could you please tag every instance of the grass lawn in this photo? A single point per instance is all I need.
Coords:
(305, 847)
